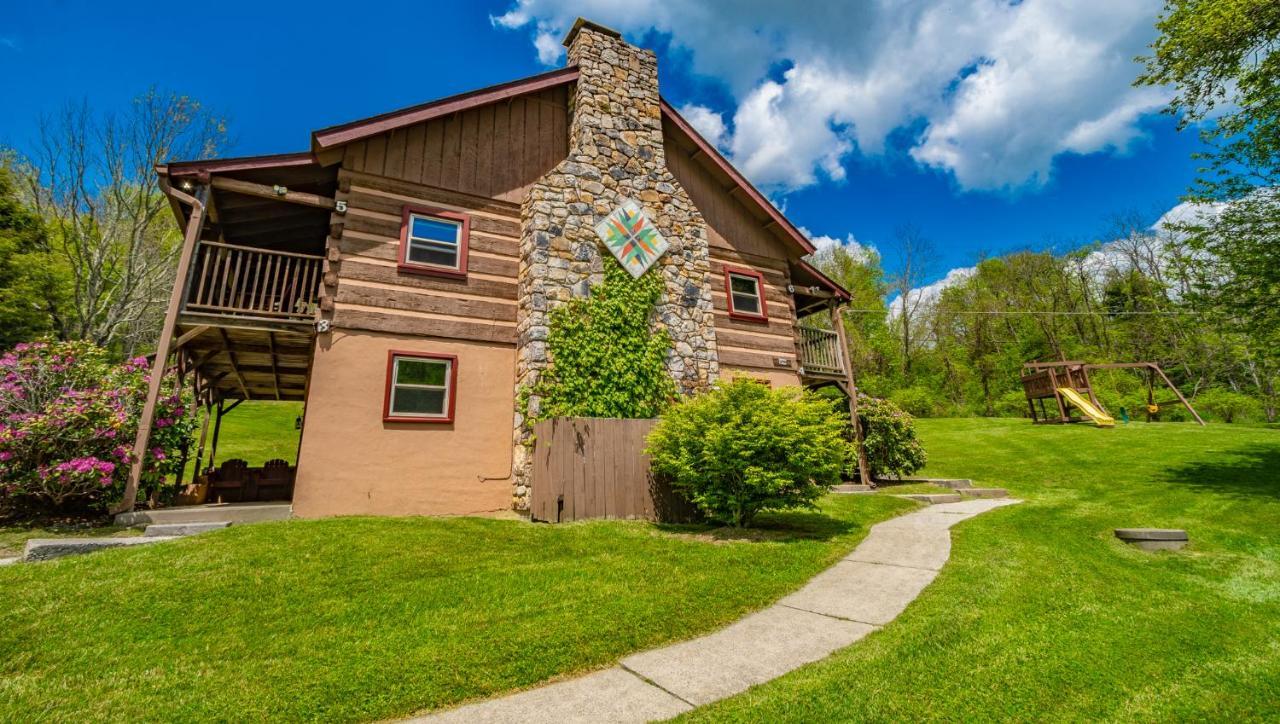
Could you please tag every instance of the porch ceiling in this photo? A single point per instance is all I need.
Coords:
(251, 364)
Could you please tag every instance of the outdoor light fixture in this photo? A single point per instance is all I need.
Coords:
(187, 185)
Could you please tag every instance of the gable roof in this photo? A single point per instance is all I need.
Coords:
(326, 139)
(345, 133)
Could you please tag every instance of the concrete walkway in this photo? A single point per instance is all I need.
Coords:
(861, 593)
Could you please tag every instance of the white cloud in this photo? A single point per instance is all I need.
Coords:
(707, 122)
(996, 89)
(924, 297)
(823, 242)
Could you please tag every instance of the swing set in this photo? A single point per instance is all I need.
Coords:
(1068, 385)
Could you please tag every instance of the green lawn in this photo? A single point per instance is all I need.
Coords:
(1042, 614)
(365, 618)
(256, 432)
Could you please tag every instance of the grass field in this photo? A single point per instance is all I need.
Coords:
(1042, 615)
(364, 618)
(256, 432)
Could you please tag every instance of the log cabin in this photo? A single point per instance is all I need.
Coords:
(398, 277)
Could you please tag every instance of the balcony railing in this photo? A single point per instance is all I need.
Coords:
(242, 281)
(820, 352)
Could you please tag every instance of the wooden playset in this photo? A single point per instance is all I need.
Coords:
(1068, 385)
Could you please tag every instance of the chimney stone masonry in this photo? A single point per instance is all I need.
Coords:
(615, 153)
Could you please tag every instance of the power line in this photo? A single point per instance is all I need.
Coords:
(1041, 313)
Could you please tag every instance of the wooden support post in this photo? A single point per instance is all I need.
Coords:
(275, 370)
(864, 471)
(188, 336)
(235, 366)
(1062, 409)
(204, 434)
(217, 430)
(143, 439)
(1178, 392)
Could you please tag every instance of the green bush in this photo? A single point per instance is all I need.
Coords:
(742, 448)
(918, 401)
(1227, 405)
(889, 436)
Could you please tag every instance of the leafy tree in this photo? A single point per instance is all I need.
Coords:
(32, 283)
(91, 178)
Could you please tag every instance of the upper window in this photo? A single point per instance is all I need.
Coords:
(420, 387)
(745, 289)
(434, 242)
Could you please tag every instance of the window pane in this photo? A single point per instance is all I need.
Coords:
(417, 401)
(743, 285)
(435, 255)
(744, 303)
(425, 227)
(410, 371)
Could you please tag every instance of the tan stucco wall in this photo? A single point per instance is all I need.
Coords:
(776, 378)
(353, 463)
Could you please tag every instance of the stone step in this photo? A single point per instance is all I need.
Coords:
(174, 530)
(43, 549)
(7, 561)
(1154, 539)
(848, 488)
(931, 498)
(984, 492)
(953, 483)
(210, 513)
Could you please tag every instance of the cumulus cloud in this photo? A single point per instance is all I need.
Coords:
(707, 122)
(823, 242)
(924, 297)
(993, 90)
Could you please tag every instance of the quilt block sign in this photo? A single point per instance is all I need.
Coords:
(629, 233)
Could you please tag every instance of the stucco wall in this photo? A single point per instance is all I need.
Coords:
(353, 463)
(776, 378)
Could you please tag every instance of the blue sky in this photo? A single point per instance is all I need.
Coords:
(991, 126)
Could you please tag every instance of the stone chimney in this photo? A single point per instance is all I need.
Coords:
(615, 153)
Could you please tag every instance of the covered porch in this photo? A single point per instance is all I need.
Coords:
(241, 324)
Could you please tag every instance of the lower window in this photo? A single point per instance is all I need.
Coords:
(420, 387)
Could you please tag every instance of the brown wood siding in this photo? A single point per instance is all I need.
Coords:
(367, 291)
(738, 239)
(493, 151)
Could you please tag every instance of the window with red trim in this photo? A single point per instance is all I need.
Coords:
(434, 241)
(421, 387)
(745, 290)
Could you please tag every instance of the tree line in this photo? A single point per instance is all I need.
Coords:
(1199, 295)
(87, 241)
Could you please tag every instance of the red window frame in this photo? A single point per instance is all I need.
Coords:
(763, 314)
(451, 387)
(464, 241)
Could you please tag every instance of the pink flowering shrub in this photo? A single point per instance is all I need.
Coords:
(68, 419)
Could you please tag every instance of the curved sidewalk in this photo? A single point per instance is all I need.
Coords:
(865, 590)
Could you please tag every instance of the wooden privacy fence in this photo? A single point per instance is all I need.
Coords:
(595, 467)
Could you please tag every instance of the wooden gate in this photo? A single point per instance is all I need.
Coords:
(595, 467)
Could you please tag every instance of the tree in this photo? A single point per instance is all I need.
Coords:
(1219, 55)
(32, 285)
(92, 178)
(913, 254)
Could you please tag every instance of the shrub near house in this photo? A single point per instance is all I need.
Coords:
(68, 418)
(743, 448)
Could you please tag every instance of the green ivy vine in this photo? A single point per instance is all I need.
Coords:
(605, 361)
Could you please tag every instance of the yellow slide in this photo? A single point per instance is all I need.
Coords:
(1100, 418)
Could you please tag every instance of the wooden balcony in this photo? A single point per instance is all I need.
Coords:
(819, 353)
(244, 283)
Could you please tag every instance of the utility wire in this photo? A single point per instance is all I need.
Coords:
(1039, 313)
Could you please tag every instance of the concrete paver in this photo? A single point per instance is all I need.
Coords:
(760, 647)
(865, 590)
